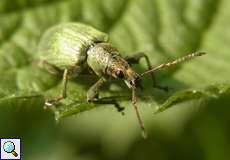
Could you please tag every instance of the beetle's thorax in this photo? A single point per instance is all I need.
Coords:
(105, 61)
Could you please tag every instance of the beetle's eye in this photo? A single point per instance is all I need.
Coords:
(120, 74)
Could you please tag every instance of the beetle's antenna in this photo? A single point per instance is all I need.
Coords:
(134, 101)
(175, 62)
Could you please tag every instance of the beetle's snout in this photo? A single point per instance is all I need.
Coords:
(132, 75)
(137, 81)
(132, 78)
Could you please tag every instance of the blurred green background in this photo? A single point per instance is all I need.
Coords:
(197, 128)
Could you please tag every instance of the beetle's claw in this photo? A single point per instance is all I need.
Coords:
(164, 88)
(120, 109)
(48, 104)
(167, 89)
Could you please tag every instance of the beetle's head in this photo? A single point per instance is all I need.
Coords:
(120, 69)
(132, 78)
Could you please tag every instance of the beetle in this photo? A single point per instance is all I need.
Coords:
(70, 48)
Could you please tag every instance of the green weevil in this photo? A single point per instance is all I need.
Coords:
(70, 48)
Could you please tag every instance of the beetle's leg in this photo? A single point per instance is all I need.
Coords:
(135, 58)
(92, 95)
(50, 68)
(63, 94)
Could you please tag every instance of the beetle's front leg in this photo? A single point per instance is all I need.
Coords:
(63, 95)
(135, 58)
(93, 92)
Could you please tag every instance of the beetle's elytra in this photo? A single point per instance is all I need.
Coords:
(70, 48)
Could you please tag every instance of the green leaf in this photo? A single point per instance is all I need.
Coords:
(163, 29)
(214, 91)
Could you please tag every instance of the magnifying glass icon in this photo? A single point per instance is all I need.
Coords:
(9, 147)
